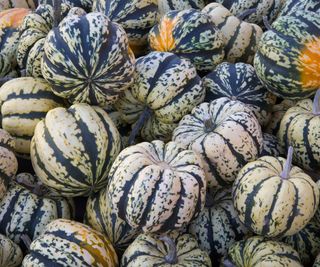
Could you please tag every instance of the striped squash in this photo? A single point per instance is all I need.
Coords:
(306, 242)
(68, 243)
(189, 34)
(258, 251)
(272, 199)
(93, 72)
(291, 6)
(165, 89)
(168, 5)
(85, 4)
(8, 161)
(269, 8)
(73, 149)
(242, 38)
(287, 60)
(6, 4)
(271, 146)
(240, 82)
(102, 216)
(23, 212)
(225, 133)
(10, 253)
(300, 128)
(157, 187)
(137, 17)
(173, 250)
(217, 226)
(24, 102)
(277, 114)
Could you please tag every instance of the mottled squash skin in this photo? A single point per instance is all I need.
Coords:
(10, 253)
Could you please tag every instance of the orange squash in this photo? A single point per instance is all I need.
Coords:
(12, 17)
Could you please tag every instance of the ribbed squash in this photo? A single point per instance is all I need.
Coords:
(291, 6)
(217, 226)
(240, 82)
(25, 212)
(165, 89)
(137, 17)
(102, 216)
(271, 146)
(85, 4)
(6, 4)
(225, 133)
(258, 251)
(8, 161)
(306, 242)
(73, 149)
(242, 38)
(300, 128)
(68, 243)
(287, 60)
(94, 71)
(189, 34)
(157, 187)
(173, 250)
(24, 102)
(168, 5)
(10, 253)
(272, 199)
(269, 8)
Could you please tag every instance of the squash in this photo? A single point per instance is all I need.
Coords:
(72, 149)
(240, 82)
(258, 251)
(70, 244)
(316, 261)
(173, 250)
(7, 4)
(225, 133)
(8, 161)
(84, 4)
(268, 8)
(102, 216)
(157, 187)
(137, 17)
(242, 38)
(287, 60)
(24, 102)
(13, 17)
(300, 128)
(291, 6)
(10, 253)
(94, 72)
(217, 226)
(274, 199)
(189, 34)
(28, 207)
(306, 242)
(164, 90)
(168, 5)
(271, 146)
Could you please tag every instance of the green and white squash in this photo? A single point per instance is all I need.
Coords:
(217, 226)
(292, 6)
(317, 261)
(93, 72)
(73, 149)
(165, 89)
(225, 133)
(102, 216)
(169, 5)
(240, 82)
(300, 128)
(287, 60)
(24, 102)
(157, 187)
(68, 243)
(174, 250)
(190, 34)
(258, 251)
(137, 17)
(274, 200)
(10, 253)
(242, 38)
(8, 161)
(84, 4)
(271, 146)
(28, 207)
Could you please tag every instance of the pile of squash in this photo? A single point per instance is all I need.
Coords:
(144, 133)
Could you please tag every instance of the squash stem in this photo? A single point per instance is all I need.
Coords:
(56, 12)
(26, 241)
(171, 257)
(246, 13)
(36, 188)
(146, 113)
(315, 106)
(208, 124)
(266, 23)
(287, 166)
